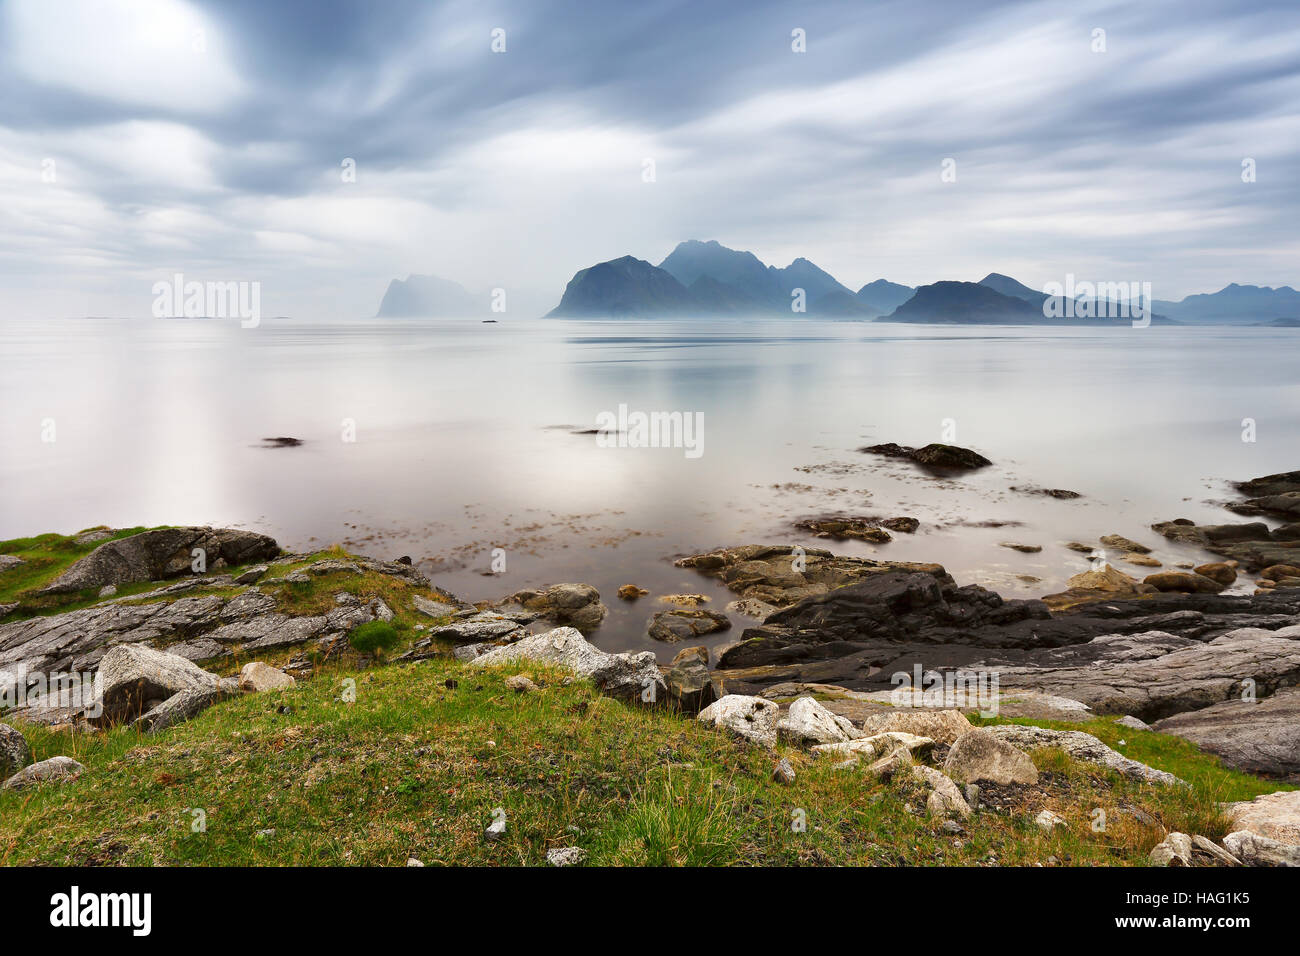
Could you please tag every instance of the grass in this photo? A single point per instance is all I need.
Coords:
(418, 761)
(45, 557)
(374, 764)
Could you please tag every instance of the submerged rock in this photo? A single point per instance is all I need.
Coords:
(935, 456)
(684, 624)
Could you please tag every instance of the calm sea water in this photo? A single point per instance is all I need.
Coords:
(459, 447)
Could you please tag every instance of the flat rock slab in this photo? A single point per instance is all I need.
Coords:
(1260, 736)
(1274, 815)
(164, 553)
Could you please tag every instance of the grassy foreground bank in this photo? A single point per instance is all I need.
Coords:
(416, 765)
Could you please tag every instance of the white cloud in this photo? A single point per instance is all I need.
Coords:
(152, 53)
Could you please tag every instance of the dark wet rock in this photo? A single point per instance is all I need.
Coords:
(161, 554)
(892, 606)
(1286, 506)
(902, 524)
(1260, 736)
(843, 529)
(1252, 545)
(575, 605)
(1022, 548)
(282, 441)
(1155, 674)
(781, 575)
(937, 457)
(1187, 581)
(690, 687)
(865, 663)
(684, 624)
(1063, 494)
(1121, 543)
(1279, 484)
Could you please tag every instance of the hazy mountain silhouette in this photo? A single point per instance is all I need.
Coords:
(1248, 304)
(428, 296)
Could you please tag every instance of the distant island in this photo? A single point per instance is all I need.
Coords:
(705, 279)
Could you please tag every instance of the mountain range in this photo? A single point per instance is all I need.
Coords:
(707, 279)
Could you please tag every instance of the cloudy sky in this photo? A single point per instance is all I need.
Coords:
(139, 138)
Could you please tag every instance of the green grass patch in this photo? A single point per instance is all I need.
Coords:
(374, 766)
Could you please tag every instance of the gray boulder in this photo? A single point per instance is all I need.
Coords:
(133, 675)
(575, 605)
(1253, 849)
(165, 553)
(629, 677)
(807, 723)
(1256, 736)
(690, 685)
(179, 708)
(749, 718)
(54, 770)
(14, 752)
(1083, 747)
(979, 755)
(685, 624)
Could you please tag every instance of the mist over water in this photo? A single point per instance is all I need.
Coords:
(466, 440)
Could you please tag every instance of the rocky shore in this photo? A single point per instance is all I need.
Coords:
(832, 641)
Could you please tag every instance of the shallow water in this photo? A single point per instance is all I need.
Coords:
(457, 449)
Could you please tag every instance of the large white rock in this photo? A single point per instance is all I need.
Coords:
(1274, 815)
(631, 677)
(1254, 849)
(941, 726)
(945, 799)
(750, 718)
(808, 722)
(132, 675)
(256, 676)
(1174, 850)
(875, 747)
(978, 755)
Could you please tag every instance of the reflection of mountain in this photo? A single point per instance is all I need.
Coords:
(428, 296)
(704, 279)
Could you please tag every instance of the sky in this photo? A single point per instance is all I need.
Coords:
(323, 148)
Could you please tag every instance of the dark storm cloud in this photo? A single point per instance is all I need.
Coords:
(526, 165)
